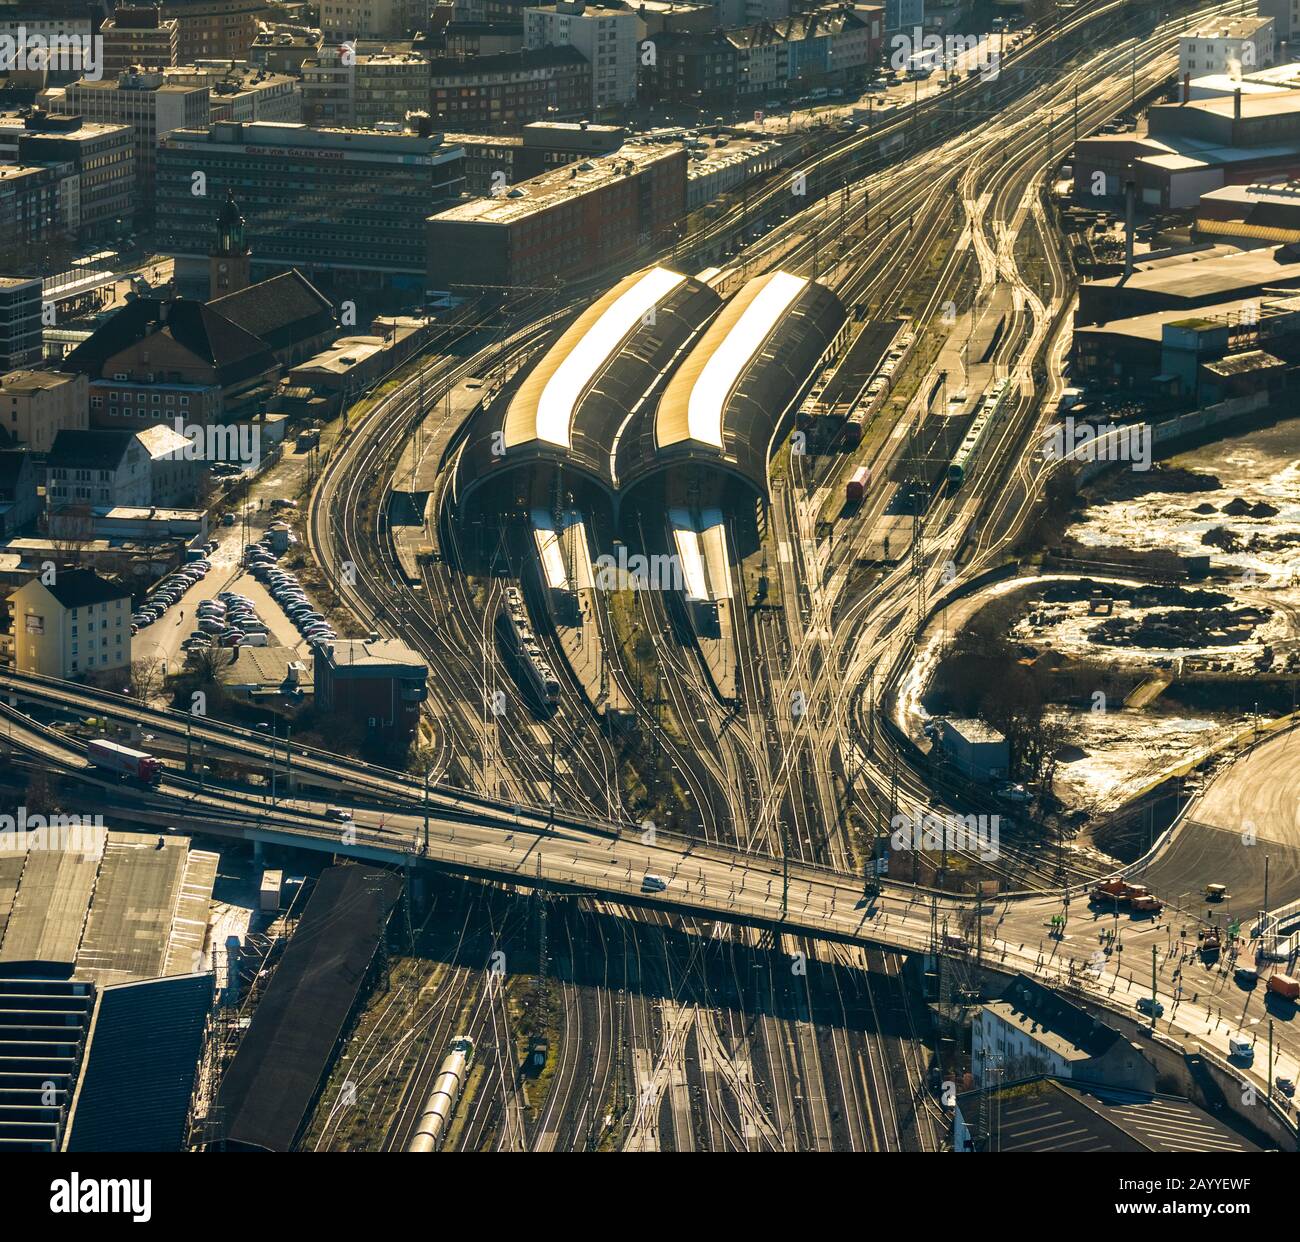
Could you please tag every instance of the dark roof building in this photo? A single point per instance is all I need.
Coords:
(229, 350)
(138, 1073)
(378, 684)
(659, 380)
(1187, 281)
(78, 588)
(509, 88)
(1045, 1115)
(271, 1085)
(287, 313)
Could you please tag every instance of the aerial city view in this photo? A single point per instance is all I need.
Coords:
(650, 575)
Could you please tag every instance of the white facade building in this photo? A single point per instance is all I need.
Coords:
(607, 37)
(1233, 47)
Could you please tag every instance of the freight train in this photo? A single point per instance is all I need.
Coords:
(431, 1128)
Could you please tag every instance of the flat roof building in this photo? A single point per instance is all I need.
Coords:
(139, 36)
(321, 200)
(1187, 281)
(101, 155)
(35, 406)
(506, 90)
(151, 105)
(583, 217)
(377, 684)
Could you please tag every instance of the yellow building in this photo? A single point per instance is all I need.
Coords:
(77, 624)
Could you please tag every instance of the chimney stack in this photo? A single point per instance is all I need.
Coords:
(1187, 88)
(1128, 228)
(1236, 104)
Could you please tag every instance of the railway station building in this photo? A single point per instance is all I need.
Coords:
(659, 389)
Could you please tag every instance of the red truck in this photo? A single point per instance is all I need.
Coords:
(1144, 903)
(124, 762)
(1284, 985)
(1117, 892)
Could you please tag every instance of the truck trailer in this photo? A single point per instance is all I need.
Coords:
(123, 762)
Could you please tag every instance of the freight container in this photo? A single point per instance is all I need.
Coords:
(1284, 985)
(272, 883)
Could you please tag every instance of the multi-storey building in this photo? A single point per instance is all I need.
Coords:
(78, 624)
(35, 210)
(139, 36)
(63, 26)
(578, 218)
(157, 361)
(496, 161)
(325, 201)
(357, 89)
(210, 28)
(102, 159)
(20, 322)
(377, 684)
(284, 49)
(1232, 46)
(237, 92)
(606, 37)
(151, 105)
(1285, 15)
(97, 469)
(35, 406)
(364, 19)
(18, 503)
(509, 90)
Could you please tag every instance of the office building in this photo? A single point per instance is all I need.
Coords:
(100, 155)
(363, 90)
(213, 28)
(20, 320)
(139, 36)
(321, 200)
(509, 89)
(579, 218)
(151, 105)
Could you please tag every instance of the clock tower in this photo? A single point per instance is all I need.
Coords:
(230, 260)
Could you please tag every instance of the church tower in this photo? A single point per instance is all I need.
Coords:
(230, 260)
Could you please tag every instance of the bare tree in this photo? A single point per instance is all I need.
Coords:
(148, 674)
(71, 529)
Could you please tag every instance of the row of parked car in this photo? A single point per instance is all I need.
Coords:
(287, 591)
(229, 620)
(169, 591)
